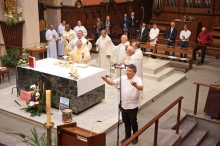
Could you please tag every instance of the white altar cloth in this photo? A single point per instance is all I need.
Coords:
(89, 77)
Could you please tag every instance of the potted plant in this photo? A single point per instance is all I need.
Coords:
(11, 20)
(10, 58)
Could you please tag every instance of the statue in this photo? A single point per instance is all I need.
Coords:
(9, 6)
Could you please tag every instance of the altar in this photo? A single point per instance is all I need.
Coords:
(84, 92)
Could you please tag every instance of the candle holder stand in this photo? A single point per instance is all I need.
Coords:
(49, 133)
(74, 75)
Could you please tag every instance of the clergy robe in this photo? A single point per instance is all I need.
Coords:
(67, 35)
(85, 42)
(60, 45)
(104, 49)
(76, 56)
(119, 53)
(51, 42)
(139, 55)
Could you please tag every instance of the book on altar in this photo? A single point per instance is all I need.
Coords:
(25, 95)
(31, 61)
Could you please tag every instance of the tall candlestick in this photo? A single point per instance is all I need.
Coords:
(48, 107)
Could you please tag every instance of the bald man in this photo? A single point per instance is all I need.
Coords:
(119, 52)
(204, 40)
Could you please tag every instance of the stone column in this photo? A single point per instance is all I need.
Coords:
(2, 48)
(31, 25)
(53, 15)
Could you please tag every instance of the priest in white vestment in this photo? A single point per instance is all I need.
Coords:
(80, 27)
(67, 37)
(79, 36)
(80, 54)
(139, 57)
(51, 37)
(60, 45)
(119, 52)
(105, 52)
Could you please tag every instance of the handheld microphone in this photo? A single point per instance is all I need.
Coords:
(93, 126)
(142, 7)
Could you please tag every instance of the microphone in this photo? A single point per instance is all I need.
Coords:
(61, 129)
(114, 64)
(142, 7)
(93, 126)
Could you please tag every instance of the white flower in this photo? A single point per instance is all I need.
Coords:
(36, 102)
(37, 95)
(33, 86)
(31, 103)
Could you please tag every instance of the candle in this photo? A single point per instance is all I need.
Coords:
(48, 107)
(71, 69)
(76, 72)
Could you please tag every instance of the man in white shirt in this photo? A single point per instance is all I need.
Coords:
(80, 27)
(60, 45)
(131, 86)
(51, 37)
(184, 37)
(154, 32)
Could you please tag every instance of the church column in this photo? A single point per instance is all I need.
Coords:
(31, 25)
(53, 11)
(1, 37)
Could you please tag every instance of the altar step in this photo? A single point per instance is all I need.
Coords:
(159, 75)
(153, 66)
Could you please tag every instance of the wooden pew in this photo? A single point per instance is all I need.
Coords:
(176, 50)
(214, 48)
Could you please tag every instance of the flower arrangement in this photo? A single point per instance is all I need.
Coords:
(11, 20)
(23, 61)
(37, 102)
(19, 11)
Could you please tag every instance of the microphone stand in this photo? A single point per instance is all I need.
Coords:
(119, 105)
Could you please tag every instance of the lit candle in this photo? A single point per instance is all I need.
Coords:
(48, 107)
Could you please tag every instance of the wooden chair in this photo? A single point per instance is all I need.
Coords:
(2, 72)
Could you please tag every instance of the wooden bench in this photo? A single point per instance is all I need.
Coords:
(176, 50)
(160, 22)
(214, 48)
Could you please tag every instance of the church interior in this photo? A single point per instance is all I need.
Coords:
(73, 106)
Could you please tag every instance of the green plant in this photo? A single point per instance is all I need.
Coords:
(11, 20)
(10, 59)
(24, 59)
(35, 140)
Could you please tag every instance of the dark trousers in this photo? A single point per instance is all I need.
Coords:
(96, 36)
(172, 44)
(203, 49)
(129, 117)
(183, 46)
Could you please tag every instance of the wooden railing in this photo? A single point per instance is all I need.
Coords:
(156, 121)
(197, 93)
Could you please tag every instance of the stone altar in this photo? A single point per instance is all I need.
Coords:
(83, 93)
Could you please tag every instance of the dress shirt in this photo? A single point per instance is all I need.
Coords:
(171, 30)
(154, 33)
(142, 30)
(186, 34)
(205, 38)
(130, 94)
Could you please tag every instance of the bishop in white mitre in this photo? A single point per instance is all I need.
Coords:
(60, 45)
(51, 37)
(105, 52)
(119, 52)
